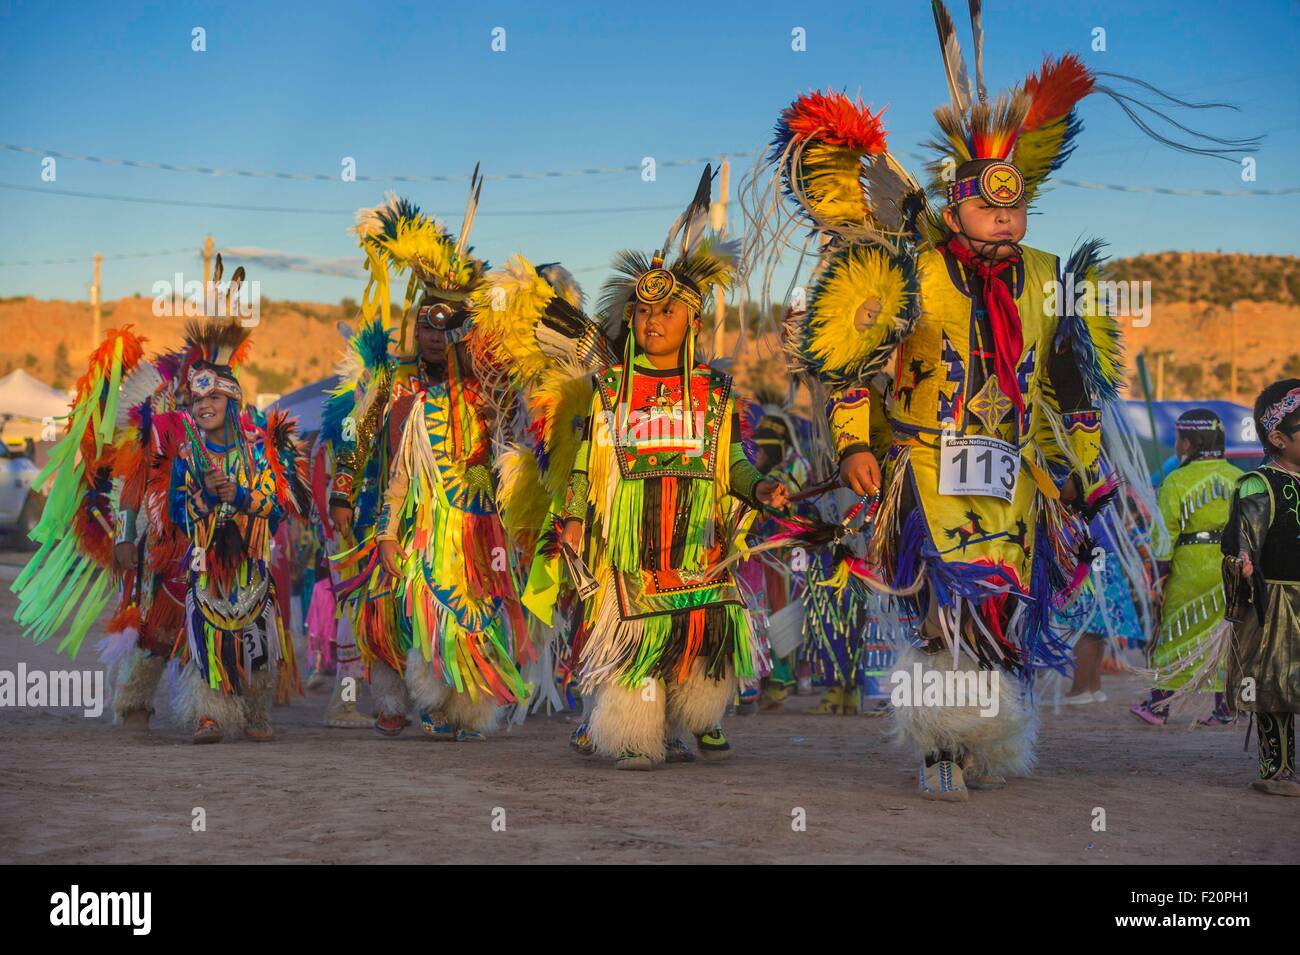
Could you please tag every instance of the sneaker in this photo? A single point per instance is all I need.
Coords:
(831, 703)
(1079, 699)
(1099, 697)
(208, 731)
(636, 762)
(469, 736)
(943, 781)
(344, 715)
(713, 745)
(259, 731)
(440, 731)
(678, 752)
(1219, 716)
(580, 742)
(850, 698)
(390, 724)
(773, 699)
(747, 702)
(1147, 715)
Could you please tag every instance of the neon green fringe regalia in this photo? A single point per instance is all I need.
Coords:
(411, 451)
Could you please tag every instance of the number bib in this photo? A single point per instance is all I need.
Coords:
(978, 466)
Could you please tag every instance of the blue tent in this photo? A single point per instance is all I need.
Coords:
(1242, 448)
(305, 404)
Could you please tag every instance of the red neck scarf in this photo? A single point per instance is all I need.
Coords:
(1004, 316)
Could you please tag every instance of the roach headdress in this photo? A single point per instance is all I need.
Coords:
(701, 264)
(441, 266)
(215, 348)
(1003, 149)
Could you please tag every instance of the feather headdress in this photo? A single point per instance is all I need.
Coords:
(1033, 126)
(396, 236)
(691, 265)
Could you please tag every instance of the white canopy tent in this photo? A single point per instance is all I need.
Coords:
(22, 396)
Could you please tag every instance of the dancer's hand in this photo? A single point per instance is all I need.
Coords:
(572, 535)
(1247, 568)
(390, 552)
(227, 490)
(341, 519)
(124, 555)
(861, 473)
(772, 493)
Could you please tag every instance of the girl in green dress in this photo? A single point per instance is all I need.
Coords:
(1194, 502)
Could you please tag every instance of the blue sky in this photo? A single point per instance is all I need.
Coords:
(415, 89)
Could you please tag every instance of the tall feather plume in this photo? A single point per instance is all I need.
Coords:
(952, 147)
(690, 224)
(232, 294)
(954, 69)
(977, 32)
(471, 207)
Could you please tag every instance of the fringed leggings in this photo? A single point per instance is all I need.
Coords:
(1276, 743)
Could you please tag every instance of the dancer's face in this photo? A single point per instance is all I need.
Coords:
(1287, 446)
(661, 328)
(431, 344)
(766, 457)
(209, 413)
(987, 229)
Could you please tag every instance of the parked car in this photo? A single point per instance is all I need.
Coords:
(20, 506)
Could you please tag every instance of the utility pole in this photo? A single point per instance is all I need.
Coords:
(207, 262)
(1232, 354)
(718, 221)
(94, 301)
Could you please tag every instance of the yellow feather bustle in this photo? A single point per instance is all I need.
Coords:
(523, 512)
(841, 332)
(506, 310)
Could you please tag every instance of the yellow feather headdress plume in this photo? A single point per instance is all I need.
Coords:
(396, 236)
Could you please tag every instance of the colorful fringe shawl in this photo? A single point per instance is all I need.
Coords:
(457, 590)
(653, 541)
(72, 568)
(232, 616)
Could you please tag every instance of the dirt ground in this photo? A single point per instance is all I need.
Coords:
(74, 789)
